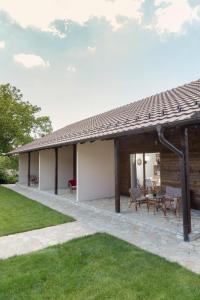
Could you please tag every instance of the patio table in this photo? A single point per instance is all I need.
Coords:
(157, 201)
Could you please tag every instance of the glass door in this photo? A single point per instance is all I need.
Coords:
(145, 171)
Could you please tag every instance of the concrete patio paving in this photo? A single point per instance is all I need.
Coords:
(157, 221)
(137, 230)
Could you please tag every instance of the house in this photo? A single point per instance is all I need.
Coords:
(103, 152)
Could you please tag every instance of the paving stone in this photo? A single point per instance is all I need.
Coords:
(26, 242)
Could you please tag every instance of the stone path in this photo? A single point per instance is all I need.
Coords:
(25, 242)
(98, 220)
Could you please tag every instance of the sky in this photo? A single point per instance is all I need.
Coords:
(76, 58)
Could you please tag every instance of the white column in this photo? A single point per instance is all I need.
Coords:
(95, 170)
(23, 168)
(65, 166)
(47, 169)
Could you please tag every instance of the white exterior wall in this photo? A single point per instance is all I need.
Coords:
(47, 169)
(65, 166)
(23, 168)
(34, 164)
(95, 170)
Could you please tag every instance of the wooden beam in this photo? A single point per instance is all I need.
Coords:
(74, 161)
(185, 184)
(29, 168)
(56, 172)
(117, 176)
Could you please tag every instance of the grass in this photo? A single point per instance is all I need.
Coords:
(95, 267)
(19, 214)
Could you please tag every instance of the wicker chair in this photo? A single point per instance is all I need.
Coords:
(136, 197)
(173, 199)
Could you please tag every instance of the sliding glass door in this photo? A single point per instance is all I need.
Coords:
(145, 171)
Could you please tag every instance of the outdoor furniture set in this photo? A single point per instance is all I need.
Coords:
(169, 200)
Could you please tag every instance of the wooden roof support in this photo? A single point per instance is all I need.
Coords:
(144, 172)
(29, 168)
(117, 176)
(185, 183)
(74, 161)
(184, 164)
(56, 172)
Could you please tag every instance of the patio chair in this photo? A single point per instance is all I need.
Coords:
(136, 197)
(173, 198)
(34, 179)
(72, 185)
(149, 185)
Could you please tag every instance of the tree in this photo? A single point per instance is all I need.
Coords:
(19, 120)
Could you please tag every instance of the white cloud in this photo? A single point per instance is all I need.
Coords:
(30, 60)
(71, 69)
(172, 15)
(55, 32)
(92, 50)
(2, 44)
(41, 13)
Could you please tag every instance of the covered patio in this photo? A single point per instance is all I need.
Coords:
(169, 224)
(179, 165)
(49, 169)
(152, 141)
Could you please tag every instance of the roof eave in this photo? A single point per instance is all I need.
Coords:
(189, 122)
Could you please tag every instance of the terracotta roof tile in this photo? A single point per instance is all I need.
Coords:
(171, 106)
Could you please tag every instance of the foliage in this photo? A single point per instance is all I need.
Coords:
(8, 169)
(18, 214)
(96, 267)
(3, 178)
(19, 120)
(6, 178)
(9, 162)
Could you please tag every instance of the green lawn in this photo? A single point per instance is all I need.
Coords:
(18, 213)
(95, 267)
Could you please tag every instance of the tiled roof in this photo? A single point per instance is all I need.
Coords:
(178, 104)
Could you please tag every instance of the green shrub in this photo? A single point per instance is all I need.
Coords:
(7, 179)
(8, 162)
(8, 170)
(11, 179)
(2, 177)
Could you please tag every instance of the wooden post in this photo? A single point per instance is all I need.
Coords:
(29, 168)
(184, 166)
(117, 176)
(185, 184)
(74, 161)
(144, 173)
(56, 172)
